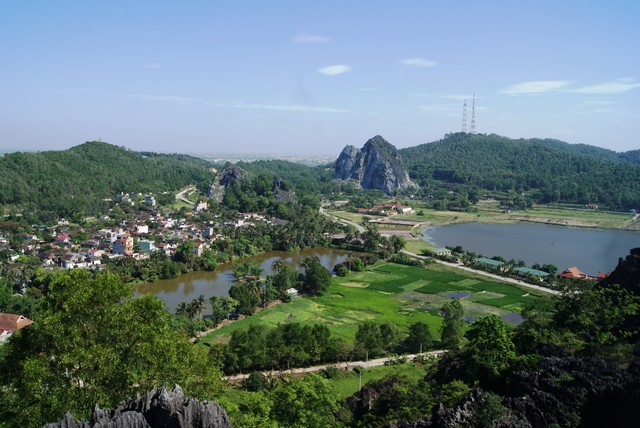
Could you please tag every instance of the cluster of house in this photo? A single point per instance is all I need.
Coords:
(132, 238)
(499, 266)
(388, 209)
(575, 273)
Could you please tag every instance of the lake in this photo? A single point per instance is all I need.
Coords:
(591, 250)
(217, 283)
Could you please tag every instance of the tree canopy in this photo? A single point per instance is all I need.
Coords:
(93, 343)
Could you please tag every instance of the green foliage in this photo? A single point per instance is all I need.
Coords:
(53, 184)
(419, 338)
(287, 345)
(306, 402)
(316, 277)
(594, 320)
(92, 343)
(490, 350)
(547, 171)
(453, 313)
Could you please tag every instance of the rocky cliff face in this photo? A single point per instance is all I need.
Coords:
(627, 273)
(227, 177)
(377, 166)
(159, 408)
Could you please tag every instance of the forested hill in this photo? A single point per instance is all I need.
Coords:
(547, 170)
(60, 183)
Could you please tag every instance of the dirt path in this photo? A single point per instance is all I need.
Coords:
(342, 366)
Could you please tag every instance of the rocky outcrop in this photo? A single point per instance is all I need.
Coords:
(159, 408)
(377, 166)
(225, 178)
(626, 274)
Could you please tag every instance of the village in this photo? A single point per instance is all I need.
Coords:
(143, 231)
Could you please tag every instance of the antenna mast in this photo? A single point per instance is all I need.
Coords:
(472, 130)
(464, 116)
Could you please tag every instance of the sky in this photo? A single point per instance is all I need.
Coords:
(298, 77)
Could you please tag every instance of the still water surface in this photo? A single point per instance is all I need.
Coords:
(217, 283)
(591, 250)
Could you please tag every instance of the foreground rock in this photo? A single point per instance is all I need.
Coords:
(377, 166)
(159, 408)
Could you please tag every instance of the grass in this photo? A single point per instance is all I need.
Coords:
(388, 292)
(347, 382)
(489, 211)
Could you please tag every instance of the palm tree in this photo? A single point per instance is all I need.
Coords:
(182, 309)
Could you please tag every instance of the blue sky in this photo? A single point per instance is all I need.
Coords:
(311, 77)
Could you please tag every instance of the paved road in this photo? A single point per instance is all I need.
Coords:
(343, 220)
(181, 197)
(490, 275)
(342, 366)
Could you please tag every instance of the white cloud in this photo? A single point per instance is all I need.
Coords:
(333, 70)
(419, 62)
(535, 87)
(306, 38)
(614, 87)
(291, 107)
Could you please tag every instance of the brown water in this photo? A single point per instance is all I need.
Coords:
(217, 283)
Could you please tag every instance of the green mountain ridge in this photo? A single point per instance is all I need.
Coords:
(63, 182)
(547, 170)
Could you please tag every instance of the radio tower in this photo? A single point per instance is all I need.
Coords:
(464, 116)
(472, 130)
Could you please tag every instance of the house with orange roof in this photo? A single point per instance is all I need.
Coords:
(573, 273)
(10, 323)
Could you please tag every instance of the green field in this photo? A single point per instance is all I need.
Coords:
(489, 211)
(389, 292)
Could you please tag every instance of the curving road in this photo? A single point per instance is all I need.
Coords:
(180, 196)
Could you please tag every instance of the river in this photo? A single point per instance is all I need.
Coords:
(591, 250)
(217, 283)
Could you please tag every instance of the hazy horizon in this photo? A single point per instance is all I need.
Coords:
(305, 79)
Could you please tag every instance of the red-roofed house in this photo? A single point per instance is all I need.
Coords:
(10, 323)
(573, 272)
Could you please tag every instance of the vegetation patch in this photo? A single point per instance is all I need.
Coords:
(355, 284)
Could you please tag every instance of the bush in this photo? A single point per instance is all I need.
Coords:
(331, 372)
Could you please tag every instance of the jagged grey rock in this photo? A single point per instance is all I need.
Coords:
(224, 179)
(377, 166)
(160, 408)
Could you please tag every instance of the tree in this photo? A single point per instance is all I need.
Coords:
(390, 335)
(316, 277)
(218, 309)
(246, 297)
(398, 243)
(419, 338)
(369, 338)
(490, 350)
(306, 402)
(285, 277)
(453, 313)
(93, 343)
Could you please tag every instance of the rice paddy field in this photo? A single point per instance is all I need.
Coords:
(392, 292)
